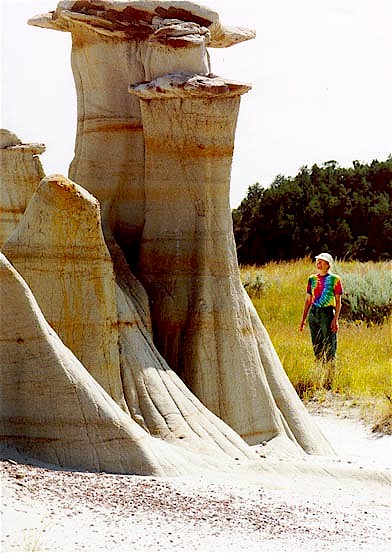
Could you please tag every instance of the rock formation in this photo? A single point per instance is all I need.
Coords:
(60, 250)
(164, 195)
(188, 265)
(127, 43)
(154, 147)
(21, 172)
(53, 410)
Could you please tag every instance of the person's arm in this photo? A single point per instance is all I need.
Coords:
(335, 321)
(308, 302)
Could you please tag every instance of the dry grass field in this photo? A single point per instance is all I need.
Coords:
(363, 373)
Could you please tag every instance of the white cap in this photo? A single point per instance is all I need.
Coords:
(326, 257)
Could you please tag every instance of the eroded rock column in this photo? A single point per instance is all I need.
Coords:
(163, 179)
(59, 250)
(21, 173)
(188, 259)
(115, 44)
(201, 318)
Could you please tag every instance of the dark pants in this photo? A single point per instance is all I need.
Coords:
(324, 340)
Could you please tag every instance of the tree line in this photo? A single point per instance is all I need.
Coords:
(345, 211)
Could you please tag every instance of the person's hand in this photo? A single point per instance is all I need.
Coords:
(334, 325)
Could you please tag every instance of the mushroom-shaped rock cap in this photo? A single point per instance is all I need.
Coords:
(182, 85)
(145, 19)
(9, 140)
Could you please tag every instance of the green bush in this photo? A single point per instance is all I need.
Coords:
(324, 208)
(367, 294)
(253, 281)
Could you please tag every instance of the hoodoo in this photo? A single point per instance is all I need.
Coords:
(132, 260)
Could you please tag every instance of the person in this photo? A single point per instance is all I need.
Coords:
(323, 304)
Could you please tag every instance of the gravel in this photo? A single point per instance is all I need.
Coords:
(51, 510)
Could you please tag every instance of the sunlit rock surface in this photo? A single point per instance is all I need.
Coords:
(139, 276)
(188, 262)
(127, 43)
(53, 410)
(165, 21)
(59, 249)
(21, 172)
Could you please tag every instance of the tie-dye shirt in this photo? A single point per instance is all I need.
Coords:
(323, 289)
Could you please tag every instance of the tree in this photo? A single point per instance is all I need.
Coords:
(344, 210)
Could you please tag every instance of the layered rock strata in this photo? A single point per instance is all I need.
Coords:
(60, 251)
(165, 199)
(188, 262)
(21, 172)
(126, 43)
(53, 410)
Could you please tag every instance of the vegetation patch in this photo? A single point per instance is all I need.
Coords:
(322, 209)
(364, 348)
(368, 293)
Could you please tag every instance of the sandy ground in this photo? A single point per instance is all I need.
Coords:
(50, 510)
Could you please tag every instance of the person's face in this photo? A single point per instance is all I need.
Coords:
(322, 266)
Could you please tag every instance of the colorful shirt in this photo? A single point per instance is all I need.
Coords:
(323, 289)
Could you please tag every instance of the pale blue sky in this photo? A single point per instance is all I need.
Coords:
(320, 70)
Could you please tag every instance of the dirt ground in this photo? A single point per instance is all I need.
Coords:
(49, 510)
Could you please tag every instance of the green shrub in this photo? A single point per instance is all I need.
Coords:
(367, 293)
(253, 281)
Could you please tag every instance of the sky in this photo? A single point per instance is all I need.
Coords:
(320, 72)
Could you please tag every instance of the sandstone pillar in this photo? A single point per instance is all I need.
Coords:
(188, 258)
(59, 250)
(188, 265)
(162, 181)
(115, 44)
(21, 173)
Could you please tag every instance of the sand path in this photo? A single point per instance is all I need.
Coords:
(49, 510)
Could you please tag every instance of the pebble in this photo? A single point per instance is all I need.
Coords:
(177, 514)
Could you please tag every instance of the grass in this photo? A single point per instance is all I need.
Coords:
(363, 372)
